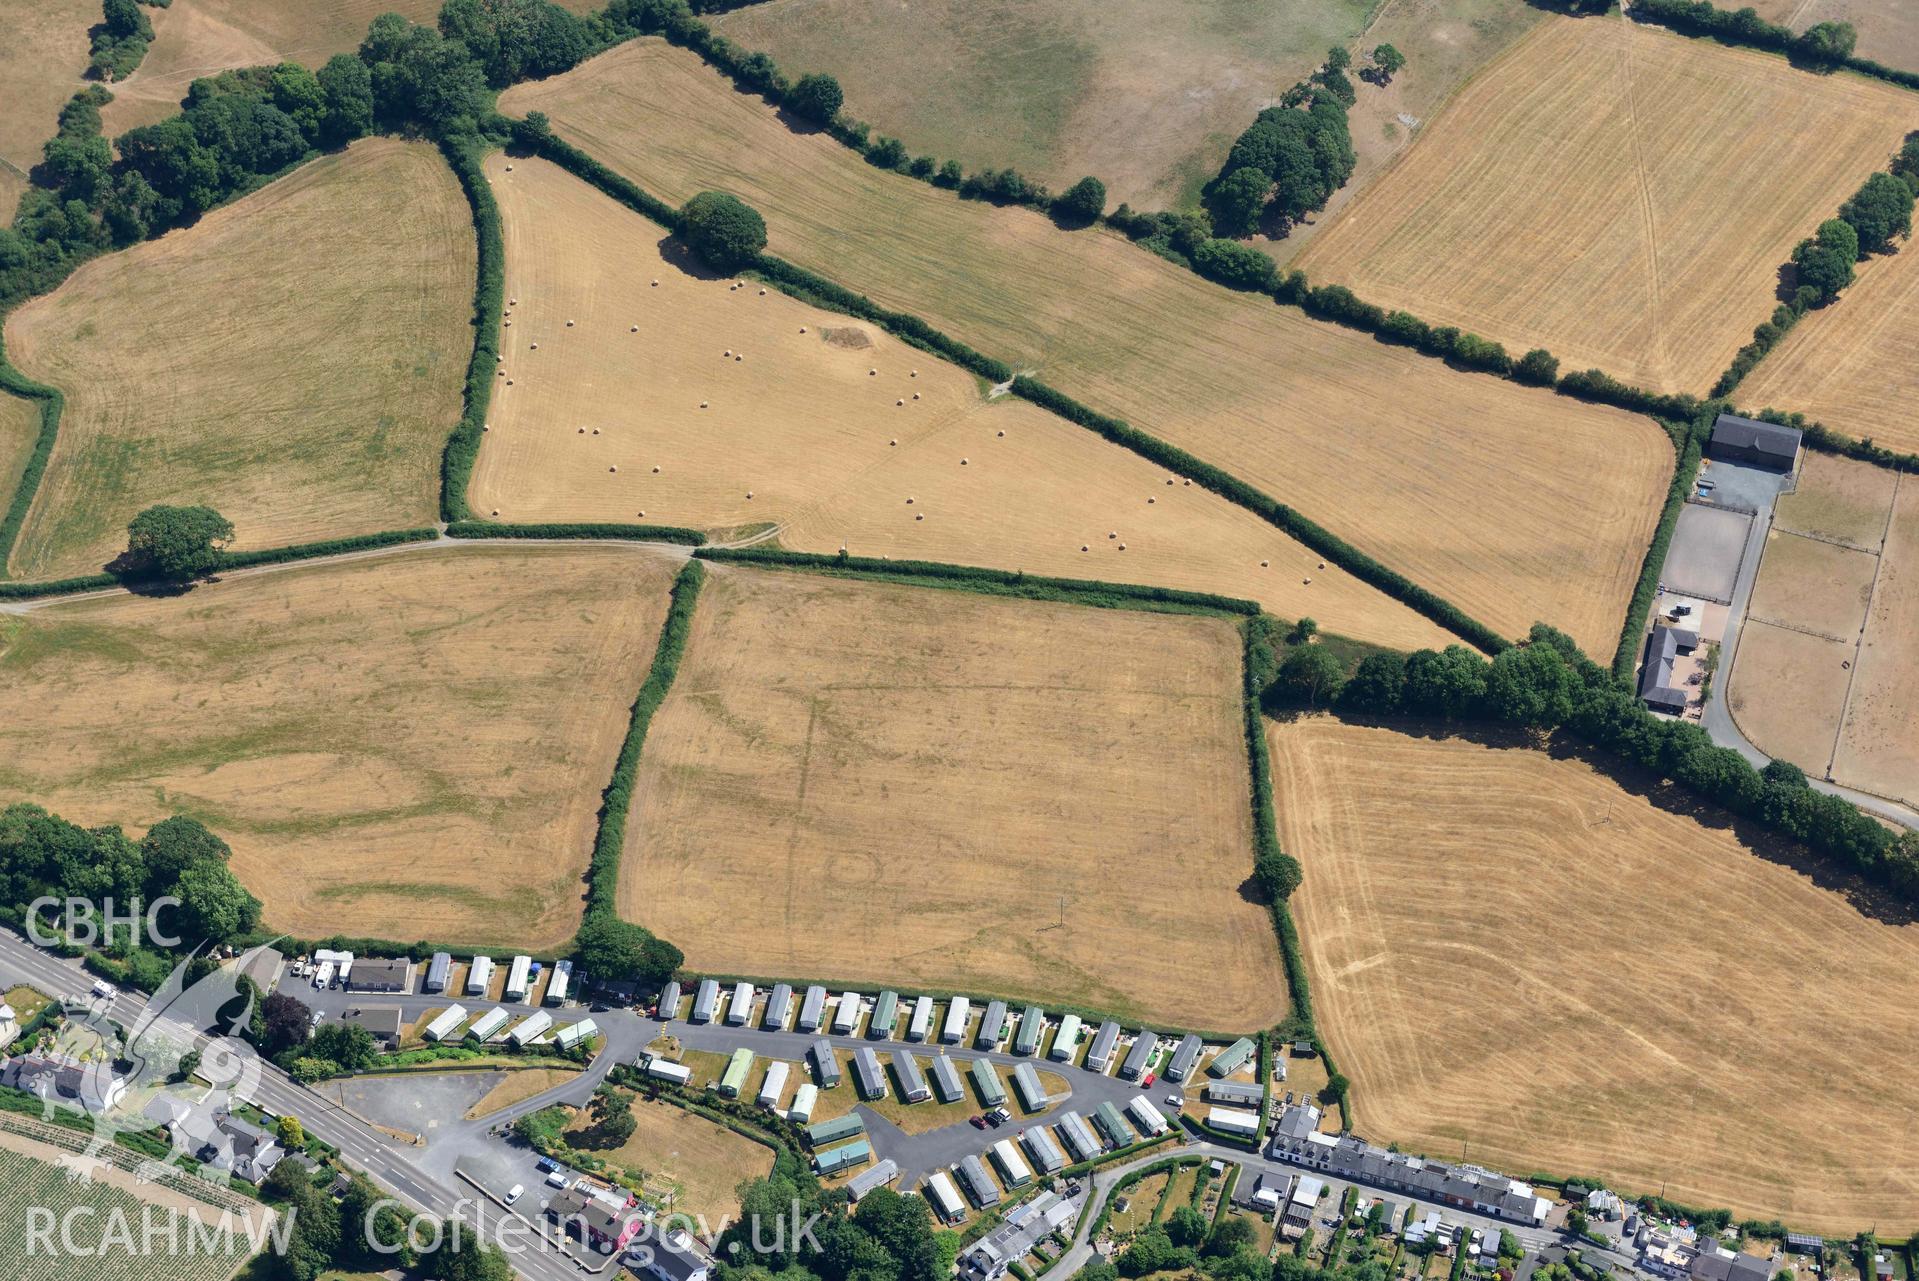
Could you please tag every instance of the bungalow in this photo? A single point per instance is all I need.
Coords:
(671, 1258)
(371, 975)
(55, 1076)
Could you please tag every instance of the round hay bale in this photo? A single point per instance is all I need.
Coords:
(1122, 546)
(1169, 480)
(642, 513)
(1309, 582)
(536, 346)
(509, 382)
(738, 359)
(892, 442)
(916, 395)
(872, 373)
(802, 328)
(613, 468)
(596, 431)
(1083, 547)
(1264, 563)
(499, 373)
(762, 293)
(1112, 533)
(509, 168)
(508, 323)
(487, 427)
(1322, 564)
(513, 302)
(919, 516)
(909, 501)
(656, 470)
(702, 404)
(1002, 433)
(749, 493)
(899, 402)
(726, 354)
(656, 284)
(1189, 480)
(496, 511)
(914, 374)
(633, 329)
(582, 431)
(1152, 500)
(962, 462)
(569, 324)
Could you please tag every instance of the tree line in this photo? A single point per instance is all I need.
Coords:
(1547, 684)
(888, 1236)
(120, 39)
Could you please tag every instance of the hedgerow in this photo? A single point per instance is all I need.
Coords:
(52, 404)
(577, 529)
(1745, 27)
(227, 561)
(489, 295)
(1689, 439)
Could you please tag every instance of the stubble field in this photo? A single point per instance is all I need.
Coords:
(1640, 990)
(795, 417)
(1658, 279)
(1853, 366)
(941, 776)
(407, 745)
(305, 402)
(42, 59)
(1888, 29)
(1319, 417)
(1827, 674)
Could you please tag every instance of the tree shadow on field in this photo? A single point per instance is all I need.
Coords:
(682, 256)
(139, 583)
(1869, 900)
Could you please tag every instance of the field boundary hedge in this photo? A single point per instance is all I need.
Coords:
(53, 403)
(1702, 20)
(489, 294)
(813, 288)
(1639, 607)
(578, 530)
(228, 561)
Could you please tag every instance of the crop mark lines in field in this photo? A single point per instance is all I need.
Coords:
(798, 826)
(1655, 308)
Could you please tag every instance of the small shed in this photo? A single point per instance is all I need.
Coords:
(992, 1027)
(1099, 1055)
(812, 1010)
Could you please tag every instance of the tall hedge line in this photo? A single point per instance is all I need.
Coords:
(228, 561)
(52, 404)
(997, 582)
(577, 529)
(603, 874)
(1626, 656)
(1744, 27)
(489, 294)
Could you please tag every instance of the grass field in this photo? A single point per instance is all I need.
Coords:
(1641, 989)
(1827, 674)
(305, 404)
(706, 1162)
(1853, 366)
(936, 771)
(1888, 29)
(412, 745)
(1317, 416)
(796, 419)
(1656, 280)
(19, 432)
(1148, 97)
(42, 60)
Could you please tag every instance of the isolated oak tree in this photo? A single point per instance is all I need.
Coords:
(723, 229)
(1387, 61)
(179, 544)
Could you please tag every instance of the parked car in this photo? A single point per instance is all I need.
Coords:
(1148, 1080)
(513, 1193)
(979, 1122)
(998, 1115)
(993, 1119)
(1176, 1100)
(104, 990)
(546, 1164)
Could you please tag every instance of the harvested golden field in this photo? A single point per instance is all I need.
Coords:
(1853, 366)
(1879, 745)
(42, 61)
(1788, 692)
(1657, 280)
(413, 742)
(1393, 452)
(308, 402)
(935, 771)
(1644, 991)
(755, 407)
(19, 432)
(1146, 96)
(1888, 29)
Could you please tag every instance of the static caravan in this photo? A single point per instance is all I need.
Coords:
(1148, 1118)
(443, 1023)
(576, 1033)
(956, 1015)
(943, 1197)
(867, 1074)
(678, 1073)
(1236, 1093)
(1067, 1041)
(986, 1081)
(733, 1080)
(805, 1099)
(706, 1001)
(741, 1008)
(669, 1006)
(488, 1025)
(946, 1080)
(557, 985)
(1107, 1120)
(1032, 1095)
(992, 1027)
(1045, 1152)
(1185, 1058)
(886, 1012)
(438, 970)
(1232, 1058)
(779, 1003)
(1078, 1135)
(812, 1010)
(519, 979)
(826, 1133)
(825, 1066)
(912, 1080)
(978, 1183)
(1012, 1166)
(847, 1018)
(1099, 1055)
(1031, 1025)
(773, 1086)
(834, 1160)
(1233, 1121)
(479, 976)
(533, 1025)
(1140, 1057)
(920, 1026)
(867, 1180)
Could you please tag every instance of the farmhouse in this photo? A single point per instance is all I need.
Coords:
(1663, 649)
(812, 1010)
(992, 1027)
(779, 1003)
(867, 1180)
(216, 1137)
(1348, 1157)
(1747, 440)
(824, 1064)
(978, 1183)
(946, 1080)
(1025, 1227)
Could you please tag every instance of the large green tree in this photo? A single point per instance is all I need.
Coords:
(1879, 211)
(815, 97)
(614, 950)
(179, 544)
(723, 229)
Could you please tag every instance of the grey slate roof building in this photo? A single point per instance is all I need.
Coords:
(779, 1003)
(867, 1073)
(1139, 1056)
(824, 1064)
(1025, 1227)
(1711, 1265)
(1185, 1058)
(877, 1177)
(1031, 1025)
(912, 1080)
(1235, 1093)
(1100, 1053)
(438, 970)
(1747, 440)
(1663, 648)
(812, 1009)
(1351, 1158)
(978, 1183)
(372, 974)
(991, 1027)
(946, 1080)
(1079, 1136)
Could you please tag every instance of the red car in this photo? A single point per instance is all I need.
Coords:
(1148, 1080)
(979, 1122)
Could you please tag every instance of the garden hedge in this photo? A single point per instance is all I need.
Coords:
(489, 293)
(577, 530)
(1626, 656)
